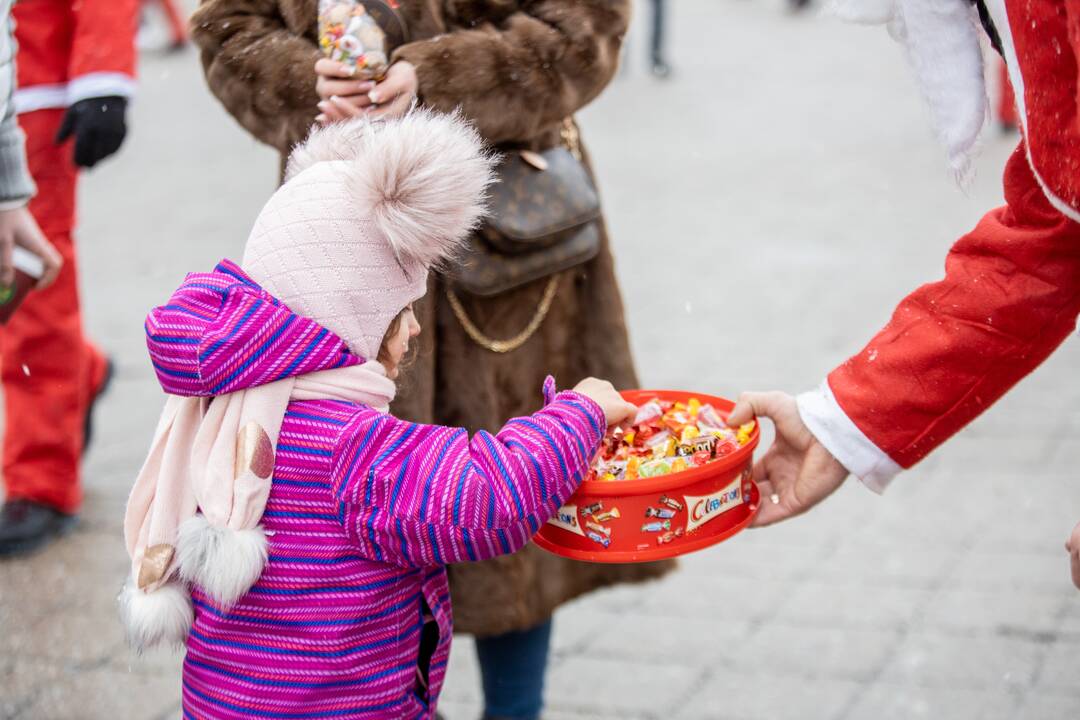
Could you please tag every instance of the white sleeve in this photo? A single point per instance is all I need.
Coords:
(847, 443)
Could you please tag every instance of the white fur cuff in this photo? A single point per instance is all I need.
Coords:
(843, 438)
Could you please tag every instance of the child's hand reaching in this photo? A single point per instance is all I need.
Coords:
(616, 410)
(1072, 546)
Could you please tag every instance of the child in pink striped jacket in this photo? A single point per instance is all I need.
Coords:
(287, 528)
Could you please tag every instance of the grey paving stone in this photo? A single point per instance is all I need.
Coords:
(849, 605)
(870, 558)
(709, 595)
(912, 702)
(579, 626)
(813, 651)
(626, 686)
(985, 662)
(1045, 706)
(1032, 614)
(766, 695)
(22, 680)
(462, 684)
(1070, 615)
(1058, 671)
(105, 694)
(1016, 572)
(159, 661)
(690, 641)
(758, 555)
(77, 637)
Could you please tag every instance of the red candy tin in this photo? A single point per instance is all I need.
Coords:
(660, 517)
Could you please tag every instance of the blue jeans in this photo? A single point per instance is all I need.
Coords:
(512, 668)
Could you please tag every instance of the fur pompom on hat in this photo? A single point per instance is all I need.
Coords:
(367, 208)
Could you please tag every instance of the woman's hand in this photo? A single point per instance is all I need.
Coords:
(341, 94)
(394, 96)
(797, 472)
(344, 97)
(616, 409)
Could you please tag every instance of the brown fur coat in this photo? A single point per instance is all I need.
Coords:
(516, 68)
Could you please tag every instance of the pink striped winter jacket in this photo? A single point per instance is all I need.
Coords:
(364, 512)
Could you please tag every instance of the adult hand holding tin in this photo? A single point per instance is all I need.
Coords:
(797, 472)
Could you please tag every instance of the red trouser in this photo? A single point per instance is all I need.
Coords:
(49, 370)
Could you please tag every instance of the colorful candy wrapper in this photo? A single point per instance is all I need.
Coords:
(709, 417)
(592, 509)
(605, 516)
(657, 526)
(668, 437)
(648, 412)
(598, 528)
(671, 502)
(350, 34)
(598, 538)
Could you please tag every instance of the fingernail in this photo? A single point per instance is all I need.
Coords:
(320, 118)
(774, 499)
(323, 105)
(373, 97)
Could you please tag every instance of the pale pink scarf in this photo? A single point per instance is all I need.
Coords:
(197, 502)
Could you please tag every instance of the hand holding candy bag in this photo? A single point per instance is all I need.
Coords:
(360, 34)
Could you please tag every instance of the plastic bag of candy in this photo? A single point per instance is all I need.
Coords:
(349, 33)
(667, 437)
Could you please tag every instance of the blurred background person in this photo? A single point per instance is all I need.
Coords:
(657, 56)
(76, 70)
(17, 225)
(1007, 117)
(176, 24)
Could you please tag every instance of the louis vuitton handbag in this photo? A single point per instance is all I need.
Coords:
(543, 219)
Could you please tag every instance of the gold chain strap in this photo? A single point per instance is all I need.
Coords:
(510, 344)
(572, 140)
(571, 137)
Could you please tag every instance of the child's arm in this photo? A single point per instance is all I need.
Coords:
(420, 495)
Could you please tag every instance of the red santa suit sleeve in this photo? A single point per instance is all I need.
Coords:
(1011, 291)
(71, 50)
(103, 49)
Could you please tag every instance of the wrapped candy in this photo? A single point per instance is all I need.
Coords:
(668, 437)
(350, 34)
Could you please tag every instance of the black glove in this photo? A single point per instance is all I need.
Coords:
(98, 126)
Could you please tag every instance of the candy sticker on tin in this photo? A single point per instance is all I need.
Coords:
(710, 507)
(567, 519)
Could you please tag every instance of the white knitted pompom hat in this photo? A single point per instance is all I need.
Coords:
(367, 208)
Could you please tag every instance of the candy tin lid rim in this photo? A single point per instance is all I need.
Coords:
(671, 481)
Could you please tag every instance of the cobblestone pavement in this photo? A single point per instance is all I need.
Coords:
(769, 204)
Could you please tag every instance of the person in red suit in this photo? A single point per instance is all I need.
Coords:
(1011, 291)
(75, 70)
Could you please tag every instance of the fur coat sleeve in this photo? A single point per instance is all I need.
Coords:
(259, 67)
(519, 71)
